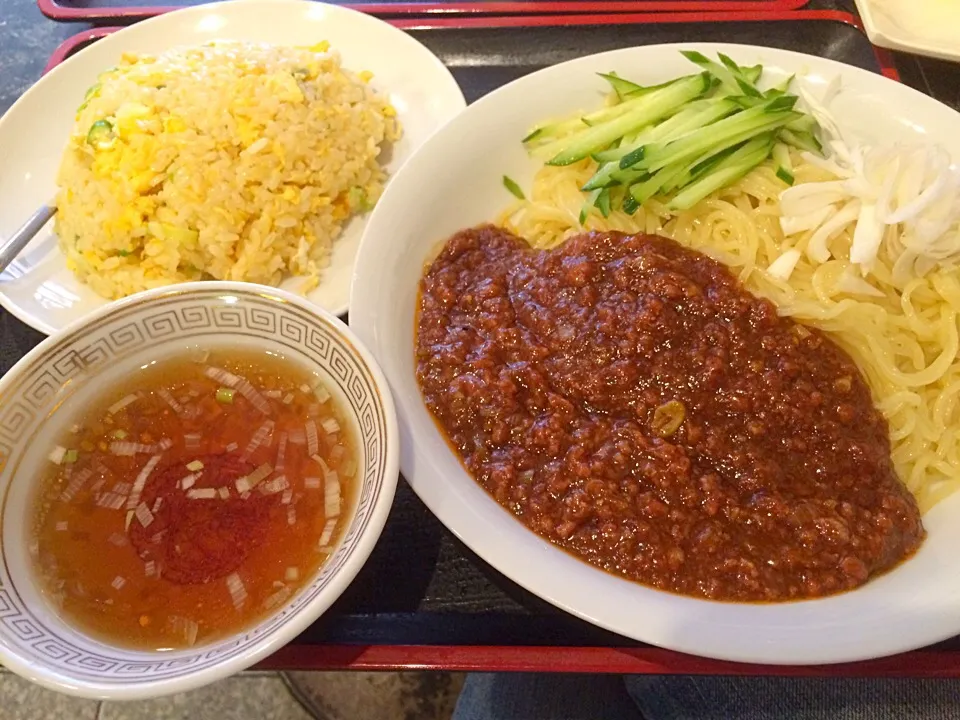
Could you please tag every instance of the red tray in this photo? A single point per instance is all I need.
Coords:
(449, 610)
(119, 10)
(885, 62)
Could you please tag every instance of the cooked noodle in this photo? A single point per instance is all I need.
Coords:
(905, 340)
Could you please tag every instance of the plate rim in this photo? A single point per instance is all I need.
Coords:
(363, 319)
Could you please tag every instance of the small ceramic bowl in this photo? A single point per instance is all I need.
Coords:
(35, 641)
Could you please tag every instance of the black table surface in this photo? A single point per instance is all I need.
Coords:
(420, 585)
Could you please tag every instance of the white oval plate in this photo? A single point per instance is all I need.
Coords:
(39, 289)
(453, 182)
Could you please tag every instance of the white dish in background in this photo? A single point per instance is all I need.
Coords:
(39, 289)
(924, 27)
(450, 184)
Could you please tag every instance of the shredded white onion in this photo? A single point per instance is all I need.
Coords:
(150, 568)
(287, 497)
(291, 515)
(911, 191)
(121, 404)
(292, 573)
(61, 526)
(143, 514)
(202, 494)
(782, 268)
(75, 485)
(184, 627)
(188, 482)
(141, 480)
(57, 454)
(111, 500)
(118, 582)
(331, 496)
(274, 486)
(224, 493)
(277, 598)
(330, 426)
(238, 593)
(321, 392)
(313, 440)
(327, 533)
(117, 539)
(259, 437)
(281, 451)
(312, 483)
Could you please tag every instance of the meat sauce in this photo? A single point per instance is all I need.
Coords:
(629, 401)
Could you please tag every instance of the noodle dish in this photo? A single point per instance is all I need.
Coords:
(695, 340)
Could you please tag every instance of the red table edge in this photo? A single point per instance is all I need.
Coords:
(884, 57)
(55, 11)
(641, 660)
(622, 661)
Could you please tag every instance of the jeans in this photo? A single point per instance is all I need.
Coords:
(524, 696)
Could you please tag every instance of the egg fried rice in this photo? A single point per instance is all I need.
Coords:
(233, 161)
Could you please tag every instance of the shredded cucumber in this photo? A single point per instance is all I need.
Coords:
(681, 140)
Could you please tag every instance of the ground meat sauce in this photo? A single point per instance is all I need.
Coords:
(629, 401)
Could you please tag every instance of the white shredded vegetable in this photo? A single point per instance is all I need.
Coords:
(292, 573)
(121, 404)
(238, 593)
(281, 451)
(322, 393)
(312, 483)
(327, 533)
(313, 441)
(907, 196)
(782, 268)
(150, 568)
(274, 486)
(57, 454)
(61, 526)
(75, 484)
(202, 494)
(188, 482)
(259, 437)
(331, 496)
(111, 500)
(330, 426)
(118, 582)
(143, 514)
(141, 480)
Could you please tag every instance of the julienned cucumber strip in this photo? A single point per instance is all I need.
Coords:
(807, 124)
(649, 108)
(781, 156)
(699, 114)
(801, 140)
(731, 76)
(729, 169)
(716, 110)
(620, 86)
(723, 134)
